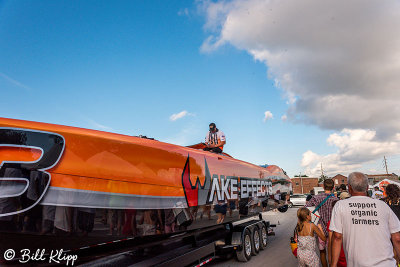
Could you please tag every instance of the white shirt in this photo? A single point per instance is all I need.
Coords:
(212, 138)
(366, 225)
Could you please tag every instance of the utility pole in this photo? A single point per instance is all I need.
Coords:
(301, 182)
(384, 159)
(322, 172)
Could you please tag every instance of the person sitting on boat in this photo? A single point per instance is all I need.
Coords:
(215, 139)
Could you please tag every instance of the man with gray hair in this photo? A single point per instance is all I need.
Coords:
(365, 226)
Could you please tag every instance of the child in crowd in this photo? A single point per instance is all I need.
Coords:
(306, 250)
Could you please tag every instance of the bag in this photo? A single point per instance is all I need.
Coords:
(182, 217)
(315, 216)
(293, 242)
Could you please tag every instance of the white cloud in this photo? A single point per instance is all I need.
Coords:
(355, 149)
(210, 44)
(337, 63)
(179, 115)
(14, 82)
(97, 126)
(284, 117)
(183, 12)
(188, 135)
(268, 115)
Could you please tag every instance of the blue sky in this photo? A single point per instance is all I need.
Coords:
(127, 66)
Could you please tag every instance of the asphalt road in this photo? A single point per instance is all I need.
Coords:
(278, 251)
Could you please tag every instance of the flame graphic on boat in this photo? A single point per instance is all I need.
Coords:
(197, 194)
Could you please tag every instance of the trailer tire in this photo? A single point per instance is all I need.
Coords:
(244, 254)
(263, 237)
(255, 246)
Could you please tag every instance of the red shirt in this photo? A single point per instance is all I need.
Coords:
(342, 257)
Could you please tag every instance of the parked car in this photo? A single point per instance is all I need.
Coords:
(297, 200)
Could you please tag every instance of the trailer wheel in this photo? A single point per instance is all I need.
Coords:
(245, 253)
(255, 248)
(263, 237)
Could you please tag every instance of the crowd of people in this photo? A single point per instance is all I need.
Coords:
(354, 229)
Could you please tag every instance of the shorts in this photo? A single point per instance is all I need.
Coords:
(232, 205)
(264, 203)
(322, 245)
(220, 208)
(213, 149)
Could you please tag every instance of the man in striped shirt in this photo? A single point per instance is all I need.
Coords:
(325, 211)
(215, 139)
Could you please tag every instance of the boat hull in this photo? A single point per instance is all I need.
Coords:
(69, 187)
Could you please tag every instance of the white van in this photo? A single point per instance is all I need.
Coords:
(318, 190)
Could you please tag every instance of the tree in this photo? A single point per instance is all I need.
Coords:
(322, 178)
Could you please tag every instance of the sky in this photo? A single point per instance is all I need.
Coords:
(298, 84)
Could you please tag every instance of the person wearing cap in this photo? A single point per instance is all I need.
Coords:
(343, 192)
(215, 139)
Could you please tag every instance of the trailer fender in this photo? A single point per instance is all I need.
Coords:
(237, 238)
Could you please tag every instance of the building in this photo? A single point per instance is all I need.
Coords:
(376, 178)
(339, 179)
(303, 185)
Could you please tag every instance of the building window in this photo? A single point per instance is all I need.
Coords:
(342, 180)
(297, 183)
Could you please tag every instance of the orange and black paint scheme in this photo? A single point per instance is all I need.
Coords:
(67, 187)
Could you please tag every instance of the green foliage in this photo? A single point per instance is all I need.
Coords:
(322, 178)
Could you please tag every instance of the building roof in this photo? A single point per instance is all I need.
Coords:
(305, 178)
(338, 176)
(380, 175)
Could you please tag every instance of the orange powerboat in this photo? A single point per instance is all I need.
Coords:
(67, 187)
